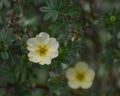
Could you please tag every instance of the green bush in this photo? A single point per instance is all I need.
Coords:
(86, 30)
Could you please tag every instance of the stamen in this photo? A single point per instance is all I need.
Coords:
(80, 76)
(42, 50)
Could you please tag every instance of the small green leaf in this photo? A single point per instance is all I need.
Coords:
(47, 16)
(7, 3)
(1, 4)
(50, 3)
(54, 15)
(44, 9)
(71, 13)
(4, 55)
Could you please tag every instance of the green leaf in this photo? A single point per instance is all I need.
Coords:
(7, 3)
(4, 55)
(50, 3)
(47, 16)
(44, 9)
(54, 15)
(1, 21)
(1, 4)
(71, 13)
(7, 36)
(51, 9)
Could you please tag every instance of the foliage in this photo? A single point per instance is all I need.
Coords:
(87, 30)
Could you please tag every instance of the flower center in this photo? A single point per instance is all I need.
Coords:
(42, 50)
(80, 76)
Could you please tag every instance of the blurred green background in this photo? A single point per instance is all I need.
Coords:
(87, 30)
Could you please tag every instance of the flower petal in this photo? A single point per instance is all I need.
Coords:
(90, 75)
(81, 66)
(32, 48)
(43, 34)
(86, 85)
(70, 74)
(33, 42)
(46, 60)
(53, 44)
(43, 38)
(73, 84)
(33, 57)
(53, 54)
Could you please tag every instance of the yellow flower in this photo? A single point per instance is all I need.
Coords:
(80, 76)
(42, 48)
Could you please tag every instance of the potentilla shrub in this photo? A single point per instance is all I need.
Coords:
(59, 48)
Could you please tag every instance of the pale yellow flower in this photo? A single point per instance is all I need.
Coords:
(42, 48)
(80, 76)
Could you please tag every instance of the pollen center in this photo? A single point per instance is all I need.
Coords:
(80, 76)
(42, 50)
